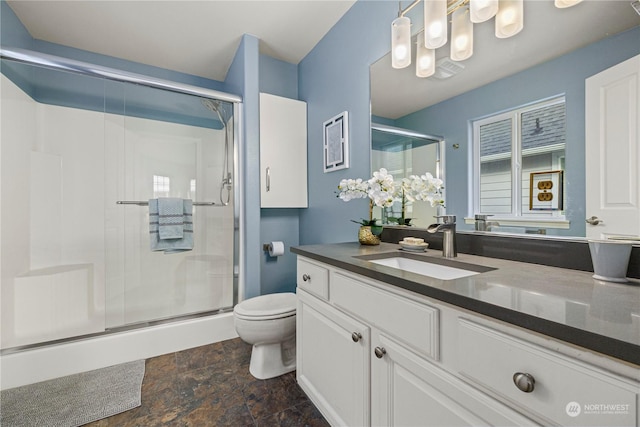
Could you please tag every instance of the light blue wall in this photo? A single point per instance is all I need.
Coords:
(564, 75)
(278, 274)
(334, 77)
(13, 33)
(243, 78)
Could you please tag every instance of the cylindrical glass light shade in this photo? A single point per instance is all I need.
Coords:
(509, 19)
(425, 60)
(566, 3)
(461, 35)
(435, 23)
(483, 10)
(401, 42)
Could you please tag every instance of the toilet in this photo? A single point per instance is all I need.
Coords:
(268, 322)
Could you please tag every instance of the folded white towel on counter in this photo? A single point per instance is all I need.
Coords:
(184, 221)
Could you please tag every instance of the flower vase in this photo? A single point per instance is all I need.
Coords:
(366, 236)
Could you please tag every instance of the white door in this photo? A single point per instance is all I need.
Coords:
(333, 361)
(612, 128)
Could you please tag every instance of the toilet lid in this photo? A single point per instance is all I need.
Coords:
(270, 305)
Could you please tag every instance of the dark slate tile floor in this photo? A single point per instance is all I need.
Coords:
(211, 386)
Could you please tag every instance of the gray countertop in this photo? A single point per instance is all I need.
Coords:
(564, 304)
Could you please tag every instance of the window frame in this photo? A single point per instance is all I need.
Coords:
(517, 214)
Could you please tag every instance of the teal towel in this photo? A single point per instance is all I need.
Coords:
(170, 218)
(174, 245)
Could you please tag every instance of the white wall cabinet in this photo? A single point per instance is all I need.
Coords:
(373, 354)
(283, 152)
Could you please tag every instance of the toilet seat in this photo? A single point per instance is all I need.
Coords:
(266, 307)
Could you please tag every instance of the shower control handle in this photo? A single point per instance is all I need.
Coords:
(268, 179)
(356, 336)
(306, 277)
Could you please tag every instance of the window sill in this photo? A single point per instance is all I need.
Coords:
(557, 223)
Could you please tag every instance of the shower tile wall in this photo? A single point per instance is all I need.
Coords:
(52, 222)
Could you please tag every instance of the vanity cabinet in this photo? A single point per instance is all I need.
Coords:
(333, 361)
(370, 353)
(283, 152)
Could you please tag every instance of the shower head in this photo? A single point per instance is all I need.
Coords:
(211, 104)
(215, 106)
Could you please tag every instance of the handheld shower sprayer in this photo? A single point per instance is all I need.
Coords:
(215, 106)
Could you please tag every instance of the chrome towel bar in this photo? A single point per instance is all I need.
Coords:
(143, 203)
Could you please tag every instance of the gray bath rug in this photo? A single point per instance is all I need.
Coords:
(74, 400)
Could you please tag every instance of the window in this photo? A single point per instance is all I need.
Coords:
(508, 148)
(160, 186)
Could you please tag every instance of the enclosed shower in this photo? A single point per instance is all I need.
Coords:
(83, 151)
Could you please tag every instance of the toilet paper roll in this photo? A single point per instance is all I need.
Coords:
(276, 248)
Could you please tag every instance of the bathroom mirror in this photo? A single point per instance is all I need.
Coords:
(505, 74)
(404, 153)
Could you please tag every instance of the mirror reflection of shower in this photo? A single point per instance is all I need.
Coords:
(404, 152)
(220, 109)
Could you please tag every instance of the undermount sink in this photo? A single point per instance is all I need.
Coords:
(435, 268)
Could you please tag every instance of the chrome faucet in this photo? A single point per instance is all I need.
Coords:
(448, 228)
(482, 224)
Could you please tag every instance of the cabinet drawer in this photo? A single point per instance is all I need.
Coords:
(413, 323)
(564, 392)
(313, 278)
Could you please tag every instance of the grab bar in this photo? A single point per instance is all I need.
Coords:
(142, 203)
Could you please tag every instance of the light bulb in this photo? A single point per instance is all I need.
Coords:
(401, 42)
(482, 10)
(435, 23)
(566, 3)
(425, 60)
(509, 19)
(461, 35)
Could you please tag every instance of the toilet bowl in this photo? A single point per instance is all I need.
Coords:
(268, 322)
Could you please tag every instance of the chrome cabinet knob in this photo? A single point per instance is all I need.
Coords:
(524, 382)
(356, 336)
(380, 352)
(306, 277)
(594, 220)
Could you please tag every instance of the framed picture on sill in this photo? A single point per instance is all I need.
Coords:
(336, 142)
(545, 191)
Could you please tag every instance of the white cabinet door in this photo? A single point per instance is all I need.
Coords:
(612, 132)
(283, 152)
(407, 390)
(333, 361)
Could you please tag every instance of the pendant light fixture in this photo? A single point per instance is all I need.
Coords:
(482, 10)
(461, 35)
(509, 19)
(435, 23)
(425, 59)
(401, 42)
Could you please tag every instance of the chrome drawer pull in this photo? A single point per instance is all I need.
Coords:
(306, 277)
(380, 352)
(524, 382)
(356, 336)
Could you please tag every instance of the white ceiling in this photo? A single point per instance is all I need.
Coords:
(194, 37)
(548, 33)
(201, 38)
